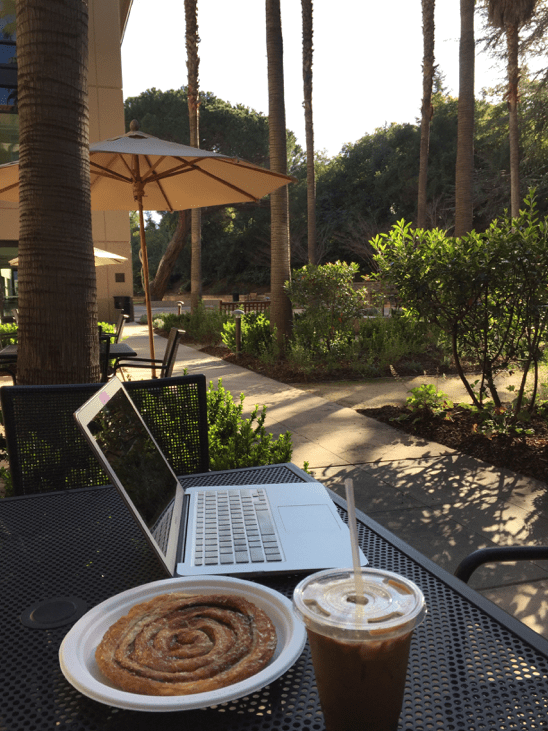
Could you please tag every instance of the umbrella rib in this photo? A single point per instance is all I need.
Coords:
(107, 173)
(148, 177)
(152, 168)
(9, 187)
(224, 183)
(264, 171)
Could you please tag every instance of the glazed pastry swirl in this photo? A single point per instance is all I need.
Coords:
(176, 644)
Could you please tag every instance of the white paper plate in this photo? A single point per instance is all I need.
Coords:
(77, 651)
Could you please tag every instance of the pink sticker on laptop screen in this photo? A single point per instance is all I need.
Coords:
(104, 397)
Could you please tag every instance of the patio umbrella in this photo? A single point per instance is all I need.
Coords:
(137, 171)
(102, 258)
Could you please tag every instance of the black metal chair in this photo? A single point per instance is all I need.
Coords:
(165, 366)
(104, 355)
(116, 336)
(9, 367)
(498, 554)
(47, 450)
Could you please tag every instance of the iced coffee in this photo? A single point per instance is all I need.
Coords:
(359, 642)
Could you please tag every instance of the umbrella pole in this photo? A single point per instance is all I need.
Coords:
(144, 257)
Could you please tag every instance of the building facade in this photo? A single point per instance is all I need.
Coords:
(111, 231)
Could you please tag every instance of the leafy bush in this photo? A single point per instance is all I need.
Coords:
(427, 396)
(256, 336)
(238, 442)
(205, 325)
(5, 330)
(331, 305)
(233, 441)
(107, 327)
(388, 339)
(486, 291)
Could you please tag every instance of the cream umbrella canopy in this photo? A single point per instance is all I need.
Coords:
(102, 258)
(137, 171)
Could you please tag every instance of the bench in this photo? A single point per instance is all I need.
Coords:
(228, 308)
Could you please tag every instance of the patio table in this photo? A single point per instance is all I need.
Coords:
(472, 666)
(116, 350)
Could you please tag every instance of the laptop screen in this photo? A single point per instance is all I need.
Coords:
(137, 462)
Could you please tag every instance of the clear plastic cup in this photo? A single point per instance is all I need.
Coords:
(360, 647)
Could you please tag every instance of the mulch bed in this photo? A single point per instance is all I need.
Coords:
(527, 455)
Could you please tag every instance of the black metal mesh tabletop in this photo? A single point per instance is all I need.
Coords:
(471, 666)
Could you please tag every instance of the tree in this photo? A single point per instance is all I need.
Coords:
(464, 175)
(486, 291)
(511, 15)
(193, 61)
(280, 310)
(309, 128)
(427, 109)
(235, 239)
(159, 286)
(58, 340)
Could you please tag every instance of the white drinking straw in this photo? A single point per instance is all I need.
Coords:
(352, 525)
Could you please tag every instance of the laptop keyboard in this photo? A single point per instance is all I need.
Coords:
(234, 526)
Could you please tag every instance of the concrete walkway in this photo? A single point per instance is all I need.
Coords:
(441, 502)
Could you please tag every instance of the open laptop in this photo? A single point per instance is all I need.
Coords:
(255, 529)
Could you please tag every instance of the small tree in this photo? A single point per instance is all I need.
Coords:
(331, 304)
(486, 291)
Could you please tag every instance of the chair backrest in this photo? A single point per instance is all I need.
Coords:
(170, 353)
(104, 356)
(47, 450)
(120, 326)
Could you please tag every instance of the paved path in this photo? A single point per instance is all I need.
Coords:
(441, 502)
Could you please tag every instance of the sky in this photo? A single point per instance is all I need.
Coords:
(367, 66)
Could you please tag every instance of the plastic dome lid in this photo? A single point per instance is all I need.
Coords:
(388, 605)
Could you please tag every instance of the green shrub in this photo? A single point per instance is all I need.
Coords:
(238, 442)
(330, 305)
(256, 336)
(205, 325)
(389, 339)
(487, 291)
(107, 327)
(233, 441)
(5, 330)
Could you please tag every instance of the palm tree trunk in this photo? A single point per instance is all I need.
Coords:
(428, 69)
(464, 178)
(280, 309)
(309, 128)
(58, 338)
(193, 61)
(512, 39)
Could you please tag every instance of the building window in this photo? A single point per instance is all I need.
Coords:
(9, 120)
(119, 277)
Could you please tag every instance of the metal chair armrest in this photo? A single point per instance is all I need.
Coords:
(498, 554)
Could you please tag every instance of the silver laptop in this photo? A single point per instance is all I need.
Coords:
(254, 529)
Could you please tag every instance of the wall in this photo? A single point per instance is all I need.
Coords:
(111, 230)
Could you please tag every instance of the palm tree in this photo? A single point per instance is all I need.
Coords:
(464, 177)
(511, 15)
(58, 341)
(427, 110)
(193, 61)
(280, 272)
(309, 128)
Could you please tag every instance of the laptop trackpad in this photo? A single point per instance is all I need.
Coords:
(307, 518)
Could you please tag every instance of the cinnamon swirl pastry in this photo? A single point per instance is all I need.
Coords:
(176, 644)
